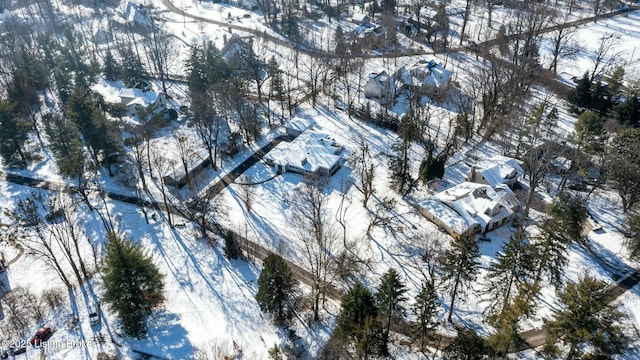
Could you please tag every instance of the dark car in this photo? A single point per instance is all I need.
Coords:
(41, 335)
(12, 351)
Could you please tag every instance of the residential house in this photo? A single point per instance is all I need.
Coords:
(244, 4)
(379, 86)
(428, 77)
(235, 45)
(135, 100)
(298, 126)
(471, 208)
(197, 161)
(137, 15)
(360, 19)
(496, 171)
(311, 152)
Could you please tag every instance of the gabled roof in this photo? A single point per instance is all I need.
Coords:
(299, 124)
(499, 169)
(310, 151)
(131, 96)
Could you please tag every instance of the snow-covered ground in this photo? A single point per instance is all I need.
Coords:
(210, 299)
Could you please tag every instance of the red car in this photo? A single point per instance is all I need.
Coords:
(41, 335)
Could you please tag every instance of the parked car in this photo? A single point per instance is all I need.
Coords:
(12, 351)
(94, 318)
(43, 334)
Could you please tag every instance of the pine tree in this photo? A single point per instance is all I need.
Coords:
(110, 67)
(399, 162)
(468, 345)
(580, 96)
(231, 245)
(514, 266)
(585, 321)
(632, 235)
(425, 309)
(276, 289)
(460, 267)
(390, 297)
(14, 131)
(132, 70)
(561, 227)
(623, 166)
(133, 284)
(357, 322)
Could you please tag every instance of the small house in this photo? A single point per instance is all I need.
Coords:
(136, 100)
(496, 171)
(298, 126)
(360, 19)
(311, 153)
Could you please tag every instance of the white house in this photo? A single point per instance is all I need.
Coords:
(496, 171)
(469, 208)
(135, 100)
(244, 4)
(360, 19)
(298, 126)
(426, 76)
(137, 15)
(311, 152)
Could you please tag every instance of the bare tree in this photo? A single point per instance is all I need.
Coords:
(343, 208)
(29, 214)
(161, 52)
(563, 45)
(311, 221)
(162, 167)
(365, 169)
(606, 55)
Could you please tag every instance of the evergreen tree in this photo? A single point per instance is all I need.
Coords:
(627, 112)
(561, 227)
(425, 309)
(588, 133)
(14, 131)
(390, 297)
(468, 345)
(66, 145)
(231, 246)
(132, 71)
(110, 67)
(399, 163)
(276, 289)
(580, 96)
(623, 166)
(357, 322)
(460, 267)
(585, 321)
(133, 285)
(513, 267)
(632, 235)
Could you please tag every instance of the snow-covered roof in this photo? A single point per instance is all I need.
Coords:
(299, 124)
(360, 18)
(310, 151)
(468, 204)
(499, 169)
(132, 96)
(136, 14)
(428, 73)
(452, 219)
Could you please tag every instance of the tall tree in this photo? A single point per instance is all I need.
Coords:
(425, 309)
(513, 267)
(277, 289)
(133, 284)
(586, 321)
(14, 131)
(399, 162)
(632, 235)
(357, 321)
(561, 227)
(623, 166)
(467, 345)
(363, 164)
(391, 298)
(606, 55)
(460, 267)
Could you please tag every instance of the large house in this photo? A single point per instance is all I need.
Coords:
(135, 100)
(496, 171)
(428, 77)
(137, 15)
(471, 208)
(311, 153)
